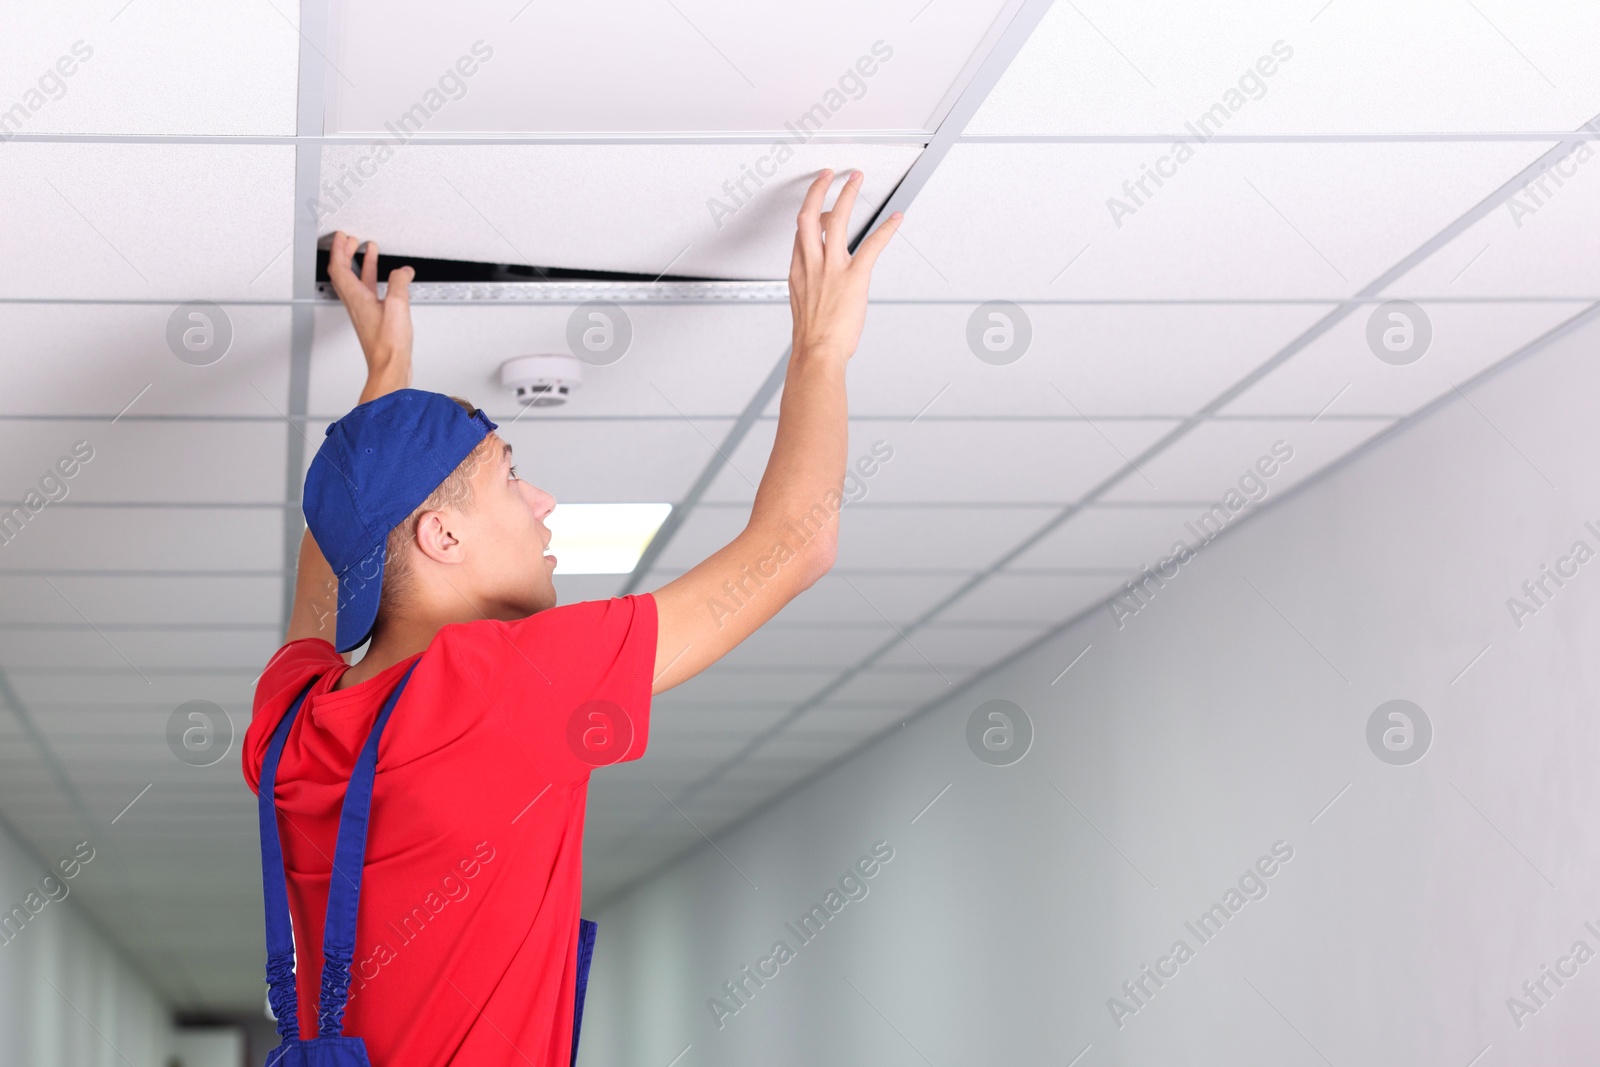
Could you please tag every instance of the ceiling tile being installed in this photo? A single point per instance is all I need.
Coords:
(1358, 66)
(151, 67)
(698, 65)
(1232, 222)
(703, 212)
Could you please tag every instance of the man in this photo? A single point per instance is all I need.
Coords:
(468, 925)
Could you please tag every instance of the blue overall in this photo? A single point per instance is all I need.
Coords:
(344, 897)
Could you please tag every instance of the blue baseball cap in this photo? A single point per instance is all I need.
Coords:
(377, 465)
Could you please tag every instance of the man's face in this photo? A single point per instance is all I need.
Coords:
(505, 539)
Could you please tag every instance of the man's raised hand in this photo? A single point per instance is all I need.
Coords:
(382, 326)
(827, 285)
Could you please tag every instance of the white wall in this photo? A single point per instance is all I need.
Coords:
(1189, 743)
(60, 982)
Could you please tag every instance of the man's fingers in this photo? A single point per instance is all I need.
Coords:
(809, 222)
(868, 250)
(369, 267)
(838, 225)
(399, 293)
(339, 255)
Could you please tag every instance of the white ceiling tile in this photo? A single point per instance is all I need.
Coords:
(145, 462)
(142, 649)
(77, 686)
(64, 365)
(880, 537)
(1119, 540)
(162, 600)
(669, 715)
(865, 719)
(703, 65)
(155, 67)
(914, 685)
(1257, 221)
(704, 532)
(934, 537)
(169, 222)
(1339, 371)
(1118, 359)
(818, 646)
(1361, 67)
(1527, 246)
(814, 748)
(683, 360)
(703, 748)
(965, 462)
(761, 769)
(725, 686)
(1043, 598)
(586, 207)
(841, 595)
(946, 645)
(146, 539)
(1220, 457)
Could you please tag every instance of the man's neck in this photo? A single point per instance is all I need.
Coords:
(398, 641)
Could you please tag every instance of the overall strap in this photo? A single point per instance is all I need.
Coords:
(274, 893)
(344, 886)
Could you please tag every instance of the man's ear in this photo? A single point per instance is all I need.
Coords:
(436, 540)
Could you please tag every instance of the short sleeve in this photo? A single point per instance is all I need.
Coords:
(286, 674)
(573, 681)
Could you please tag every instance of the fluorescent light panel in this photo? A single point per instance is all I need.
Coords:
(602, 538)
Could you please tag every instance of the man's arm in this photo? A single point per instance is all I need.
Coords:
(384, 329)
(792, 537)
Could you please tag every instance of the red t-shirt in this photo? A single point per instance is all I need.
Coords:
(466, 940)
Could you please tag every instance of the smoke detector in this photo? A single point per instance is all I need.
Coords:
(543, 381)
